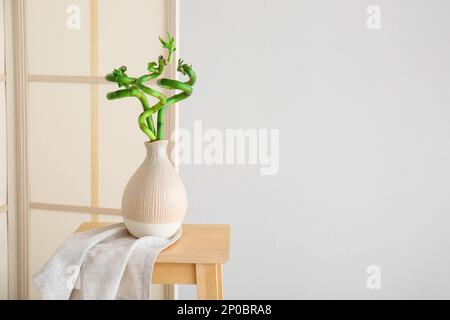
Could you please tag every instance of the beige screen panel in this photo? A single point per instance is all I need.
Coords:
(128, 33)
(48, 231)
(75, 134)
(3, 184)
(55, 44)
(59, 143)
(121, 146)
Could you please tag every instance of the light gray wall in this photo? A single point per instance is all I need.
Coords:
(364, 119)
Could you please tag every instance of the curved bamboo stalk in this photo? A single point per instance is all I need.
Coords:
(149, 129)
(134, 87)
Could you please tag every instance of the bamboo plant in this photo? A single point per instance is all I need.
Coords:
(137, 88)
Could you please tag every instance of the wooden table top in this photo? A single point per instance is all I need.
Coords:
(199, 243)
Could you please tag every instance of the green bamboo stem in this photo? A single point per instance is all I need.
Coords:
(136, 88)
(186, 87)
(160, 128)
(161, 105)
(149, 129)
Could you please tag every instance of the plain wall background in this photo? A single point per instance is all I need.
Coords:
(364, 119)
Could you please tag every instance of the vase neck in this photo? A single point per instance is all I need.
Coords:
(156, 149)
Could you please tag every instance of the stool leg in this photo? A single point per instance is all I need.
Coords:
(207, 278)
(219, 281)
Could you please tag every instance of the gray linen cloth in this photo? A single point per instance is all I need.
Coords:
(102, 264)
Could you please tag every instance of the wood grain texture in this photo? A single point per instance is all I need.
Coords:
(21, 228)
(172, 115)
(199, 243)
(208, 286)
(58, 208)
(174, 273)
(196, 258)
(67, 79)
(219, 281)
(46, 78)
(12, 163)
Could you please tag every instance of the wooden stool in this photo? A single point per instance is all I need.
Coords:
(196, 258)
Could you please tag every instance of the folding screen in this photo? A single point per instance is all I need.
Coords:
(82, 148)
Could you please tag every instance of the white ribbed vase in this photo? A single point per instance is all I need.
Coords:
(154, 202)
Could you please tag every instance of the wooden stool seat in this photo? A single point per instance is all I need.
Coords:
(196, 258)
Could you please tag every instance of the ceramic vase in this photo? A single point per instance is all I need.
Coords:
(154, 202)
